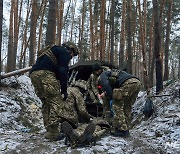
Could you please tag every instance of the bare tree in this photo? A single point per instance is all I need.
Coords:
(72, 19)
(151, 54)
(32, 47)
(143, 47)
(157, 46)
(129, 37)
(122, 36)
(43, 4)
(10, 57)
(24, 39)
(168, 29)
(95, 22)
(51, 27)
(112, 31)
(61, 10)
(102, 29)
(91, 31)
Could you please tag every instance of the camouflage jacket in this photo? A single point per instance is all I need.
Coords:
(92, 84)
(75, 109)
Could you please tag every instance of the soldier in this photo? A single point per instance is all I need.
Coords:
(49, 75)
(77, 129)
(120, 92)
(92, 83)
(74, 106)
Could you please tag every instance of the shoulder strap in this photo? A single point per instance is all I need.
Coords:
(49, 53)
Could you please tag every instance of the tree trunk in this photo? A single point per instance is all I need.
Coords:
(16, 72)
(129, 37)
(81, 39)
(168, 29)
(72, 19)
(96, 47)
(157, 45)
(151, 54)
(91, 31)
(102, 29)
(44, 4)
(51, 27)
(112, 32)
(143, 49)
(24, 41)
(32, 47)
(122, 37)
(60, 21)
(15, 35)
(10, 57)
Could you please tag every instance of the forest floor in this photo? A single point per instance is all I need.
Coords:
(21, 125)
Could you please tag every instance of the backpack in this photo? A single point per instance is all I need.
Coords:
(47, 51)
(148, 108)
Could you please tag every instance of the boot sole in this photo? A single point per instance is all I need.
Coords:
(88, 133)
(69, 131)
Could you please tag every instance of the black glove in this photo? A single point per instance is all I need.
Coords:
(65, 96)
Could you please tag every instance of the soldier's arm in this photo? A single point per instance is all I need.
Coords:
(80, 104)
(94, 85)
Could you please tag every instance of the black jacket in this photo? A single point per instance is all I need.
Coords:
(61, 69)
(121, 78)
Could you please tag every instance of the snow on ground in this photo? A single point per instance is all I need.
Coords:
(21, 125)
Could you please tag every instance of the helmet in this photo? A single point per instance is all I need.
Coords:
(72, 46)
(96, 67)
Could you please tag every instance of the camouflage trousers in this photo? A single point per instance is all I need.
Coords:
(98, 133)
(123, 99)
(47, 88)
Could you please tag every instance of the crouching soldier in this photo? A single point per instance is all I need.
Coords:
(120, 92)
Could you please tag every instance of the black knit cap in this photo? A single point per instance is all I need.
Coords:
(96, 67)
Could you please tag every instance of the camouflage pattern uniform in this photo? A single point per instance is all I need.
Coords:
(102, 128)
(92, 84)
(74, 107)
(123, 99)
(49, 76)
(122, 89)
(47, 88)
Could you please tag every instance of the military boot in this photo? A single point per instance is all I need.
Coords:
(70, 133)
(120, 133)
(87, 137)
(53, 133)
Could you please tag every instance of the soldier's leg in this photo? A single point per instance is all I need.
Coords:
(81, 136)
(45, 113)
(119, 121)
(119, 125)
(37, 78)
(106, 109)
(132, 88)
(48, 89)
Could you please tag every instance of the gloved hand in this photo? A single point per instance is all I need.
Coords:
(65, 96)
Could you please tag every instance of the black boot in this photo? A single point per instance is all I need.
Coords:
(72, 136)
(87, 137)
(120, 133)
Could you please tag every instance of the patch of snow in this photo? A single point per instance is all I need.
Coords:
(19, 107)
